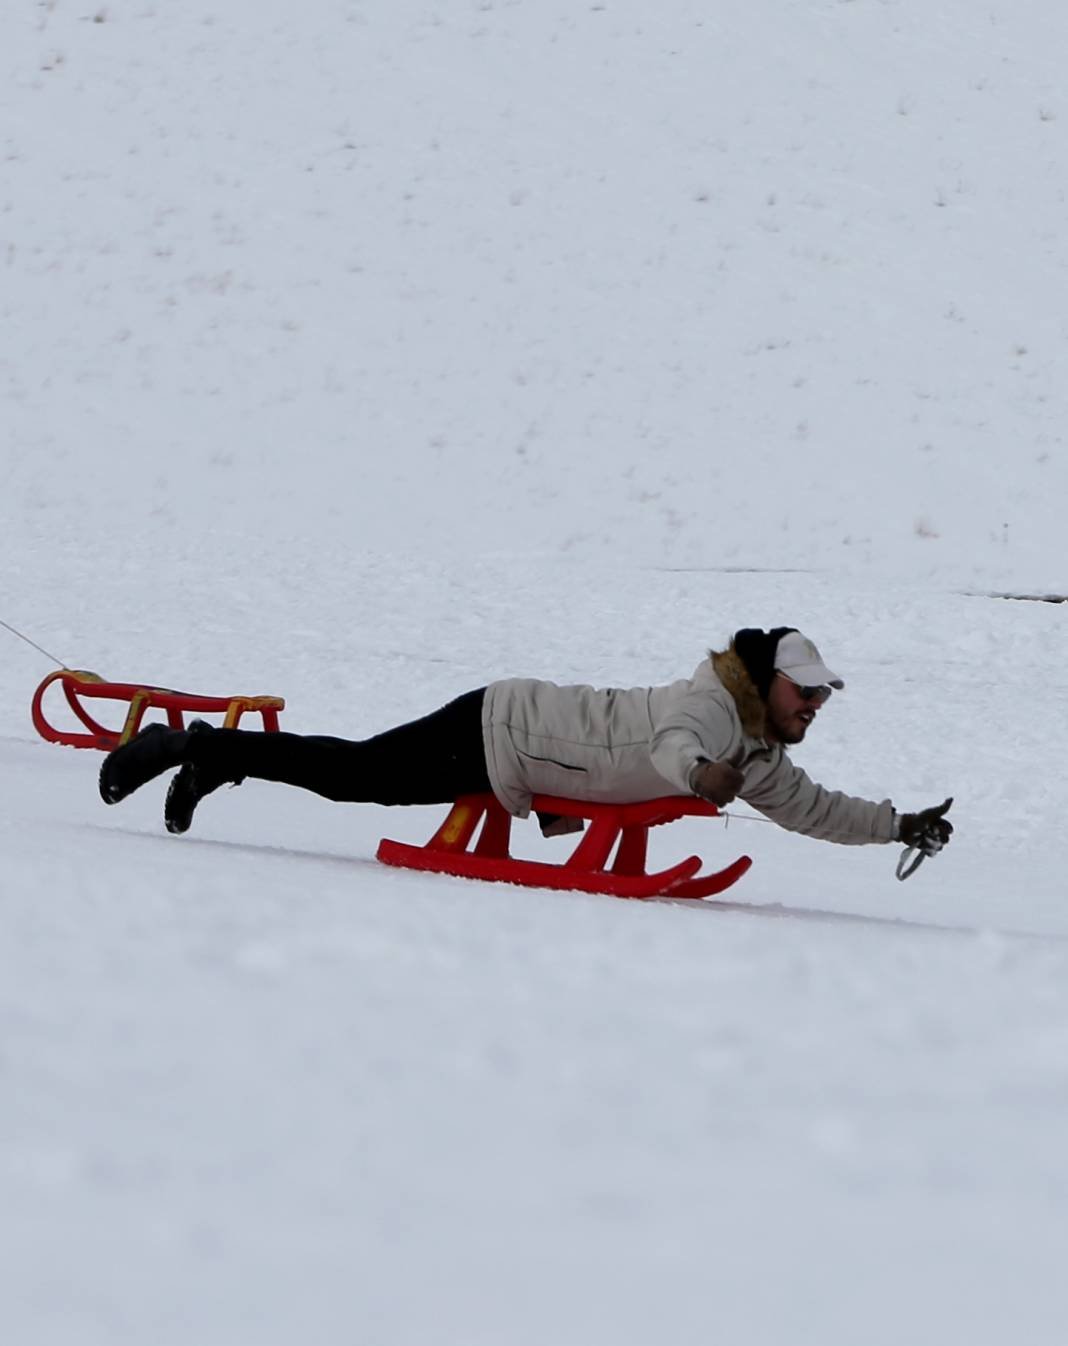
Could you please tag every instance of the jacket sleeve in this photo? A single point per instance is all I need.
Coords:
(784, 793)
(696, 727)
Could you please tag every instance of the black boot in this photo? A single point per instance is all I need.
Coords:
(151, 752)
(189, 786)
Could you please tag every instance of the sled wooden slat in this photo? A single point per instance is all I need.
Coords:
(622, 827)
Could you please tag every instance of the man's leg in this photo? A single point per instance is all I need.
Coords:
(429, 761)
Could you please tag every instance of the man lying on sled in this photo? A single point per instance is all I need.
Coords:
(719, 735)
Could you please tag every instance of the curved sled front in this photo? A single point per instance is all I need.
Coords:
(78, 684)
(708, 885)
(620, 827)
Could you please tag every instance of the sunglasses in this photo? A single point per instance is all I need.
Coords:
(818, 694)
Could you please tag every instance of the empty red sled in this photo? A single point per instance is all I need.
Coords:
(624, 827)
(78, 685)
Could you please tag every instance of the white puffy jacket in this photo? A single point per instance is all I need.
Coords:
(622, 746)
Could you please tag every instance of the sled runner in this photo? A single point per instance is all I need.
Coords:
(447, 850)
(78, 684)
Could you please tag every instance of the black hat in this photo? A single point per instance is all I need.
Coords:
(756, 649)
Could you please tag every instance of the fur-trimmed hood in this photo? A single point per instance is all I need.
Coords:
(734, 676)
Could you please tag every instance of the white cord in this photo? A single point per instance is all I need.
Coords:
(39, 648)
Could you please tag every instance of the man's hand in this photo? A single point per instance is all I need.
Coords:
(927, 831)
(718, 782)
(559, 825)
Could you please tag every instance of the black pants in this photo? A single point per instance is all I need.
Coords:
(429, 761)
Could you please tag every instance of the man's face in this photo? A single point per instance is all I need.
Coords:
(790, 710)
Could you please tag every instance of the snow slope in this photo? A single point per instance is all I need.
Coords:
(606, 275)
(362, 353)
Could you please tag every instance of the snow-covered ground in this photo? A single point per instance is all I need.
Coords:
(361, 353)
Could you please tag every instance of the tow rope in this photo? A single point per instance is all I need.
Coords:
(905, 867)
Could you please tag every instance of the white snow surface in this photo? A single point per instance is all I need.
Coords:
(364, 352)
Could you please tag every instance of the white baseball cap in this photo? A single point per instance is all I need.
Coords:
(798, 658)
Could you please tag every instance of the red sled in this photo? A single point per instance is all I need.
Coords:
(584, 871)
(78, 684)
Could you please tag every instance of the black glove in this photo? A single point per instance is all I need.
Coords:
(718, 782)
(559, 824)
(927, 831)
